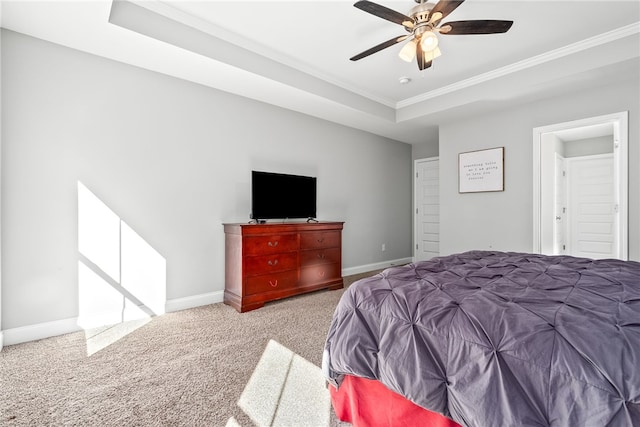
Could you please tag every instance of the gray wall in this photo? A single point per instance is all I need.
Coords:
(427, 149)
(503, 220)
(172, 160)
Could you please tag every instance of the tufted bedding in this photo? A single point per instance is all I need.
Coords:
(498, 338)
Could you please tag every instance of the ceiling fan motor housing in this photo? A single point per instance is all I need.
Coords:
(420, 15)
(421, 11)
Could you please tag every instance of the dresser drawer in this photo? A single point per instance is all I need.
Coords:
(320, 256)
(263, 245)
(263, 264)
(271, 282)
(321, 239)
(319, 273)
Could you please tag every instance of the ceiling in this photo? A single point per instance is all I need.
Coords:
(295, 54)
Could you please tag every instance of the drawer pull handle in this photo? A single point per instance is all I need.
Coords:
(273, 283)
(321, 255)
(273, 244)
(320, 240)
(274, 262)
(321, 273)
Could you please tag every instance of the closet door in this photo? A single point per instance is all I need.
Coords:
(593, 213)
(427, 209)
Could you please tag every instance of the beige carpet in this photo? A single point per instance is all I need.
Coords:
(208, 366)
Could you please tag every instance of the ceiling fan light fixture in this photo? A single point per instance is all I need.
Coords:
(428, 41)
(408, 51)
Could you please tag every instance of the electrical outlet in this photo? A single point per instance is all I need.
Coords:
(384, 247)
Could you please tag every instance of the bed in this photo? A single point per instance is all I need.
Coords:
(486, 338)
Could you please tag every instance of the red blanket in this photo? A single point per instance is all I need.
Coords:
(368, 403)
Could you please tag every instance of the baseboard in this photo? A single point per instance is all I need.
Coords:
(193, 301)
(40, 330)
(376, 266)
(65, 326)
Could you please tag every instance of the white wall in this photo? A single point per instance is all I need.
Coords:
(503, 220)
(172, 160)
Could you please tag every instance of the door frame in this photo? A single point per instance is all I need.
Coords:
(415, 198)
(563, 224)
(620, 122)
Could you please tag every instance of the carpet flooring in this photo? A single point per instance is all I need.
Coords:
(206, 366)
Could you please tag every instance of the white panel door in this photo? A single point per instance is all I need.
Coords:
(592, 207)
(427, 202)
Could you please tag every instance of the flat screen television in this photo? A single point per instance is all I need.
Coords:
(282, 196)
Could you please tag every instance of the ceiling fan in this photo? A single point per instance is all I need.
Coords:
(423, 23)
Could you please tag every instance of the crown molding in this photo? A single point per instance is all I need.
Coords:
(580, 46)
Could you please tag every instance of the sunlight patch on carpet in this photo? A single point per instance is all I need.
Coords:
(286, 390)
(232, 423)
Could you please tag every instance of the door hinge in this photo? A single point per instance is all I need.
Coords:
(616, 208)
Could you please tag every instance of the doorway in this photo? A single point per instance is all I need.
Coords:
(580, 188)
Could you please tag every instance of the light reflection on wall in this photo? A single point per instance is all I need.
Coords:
(98, 233)
(121, 278)
(143, 271)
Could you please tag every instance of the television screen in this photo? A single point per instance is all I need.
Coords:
(276, 195)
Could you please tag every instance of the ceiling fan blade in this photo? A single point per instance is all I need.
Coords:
(379, 47)
(445, 7)
(422, 65)
(486, 26)
(384, 13)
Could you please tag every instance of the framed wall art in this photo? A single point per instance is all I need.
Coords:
(481, 170)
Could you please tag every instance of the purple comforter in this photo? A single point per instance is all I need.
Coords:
(498, 339)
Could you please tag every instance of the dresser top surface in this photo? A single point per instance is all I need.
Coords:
(281, 227)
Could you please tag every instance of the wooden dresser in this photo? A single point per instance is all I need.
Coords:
(266, 262)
